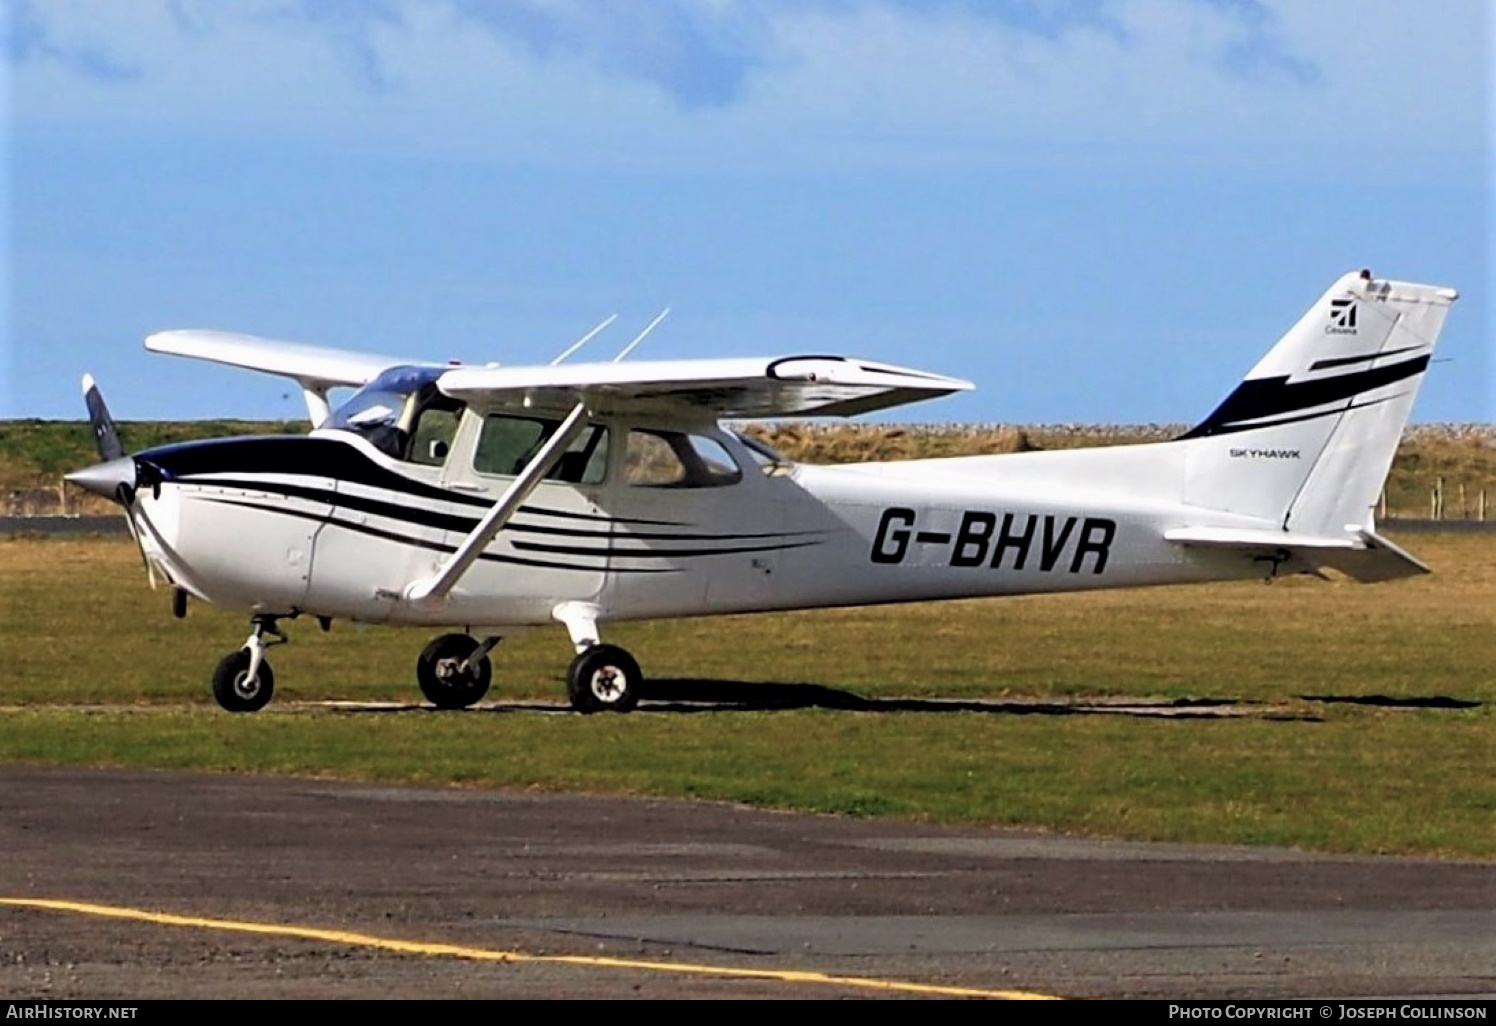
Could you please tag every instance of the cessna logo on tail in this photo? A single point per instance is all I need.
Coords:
(1342, 317)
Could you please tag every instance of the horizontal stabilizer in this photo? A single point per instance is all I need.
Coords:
(790, 386)
(1379, 560)
(1363, 555)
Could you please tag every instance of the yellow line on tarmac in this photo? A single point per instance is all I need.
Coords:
(363, 940)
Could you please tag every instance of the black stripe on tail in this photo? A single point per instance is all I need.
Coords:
(1259, 398)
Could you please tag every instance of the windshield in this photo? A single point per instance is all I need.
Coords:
(383, 399)
(385, 411)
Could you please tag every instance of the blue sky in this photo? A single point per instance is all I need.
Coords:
(1097, 210)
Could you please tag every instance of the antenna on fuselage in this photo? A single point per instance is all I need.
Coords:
(579, 343)
(640, 337)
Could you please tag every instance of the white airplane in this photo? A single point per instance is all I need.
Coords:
(496, 499)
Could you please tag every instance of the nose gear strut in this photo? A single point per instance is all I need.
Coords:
(243, 681)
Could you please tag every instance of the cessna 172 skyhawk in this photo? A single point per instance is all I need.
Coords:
(495, 499)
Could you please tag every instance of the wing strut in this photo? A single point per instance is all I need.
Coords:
(318, 409)
(438, 585)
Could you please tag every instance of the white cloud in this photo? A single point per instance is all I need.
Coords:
(834, 84)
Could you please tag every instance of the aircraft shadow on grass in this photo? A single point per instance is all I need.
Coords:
(1388, 702)
(684, 695)
(687, 695)
(693, 694)
(697, 695)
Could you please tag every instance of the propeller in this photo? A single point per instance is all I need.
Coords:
(106, 435)
(118, 475)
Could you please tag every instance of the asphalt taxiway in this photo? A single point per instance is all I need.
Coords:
(155, 885)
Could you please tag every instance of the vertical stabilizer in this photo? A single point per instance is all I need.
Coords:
(1307, 438)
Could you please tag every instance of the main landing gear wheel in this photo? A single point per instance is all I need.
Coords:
(233, 687)
(603, 678)
(443, 679)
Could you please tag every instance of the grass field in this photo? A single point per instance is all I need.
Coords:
(1370, 710)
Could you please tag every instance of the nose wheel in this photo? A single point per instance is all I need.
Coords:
(236, 690)
(243, 681)
(603, 678)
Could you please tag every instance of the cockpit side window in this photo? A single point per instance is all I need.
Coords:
(431, 435)
(508, 443)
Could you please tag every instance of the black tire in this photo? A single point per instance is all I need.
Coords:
(232, 687)
(604, 678)
(442, 683)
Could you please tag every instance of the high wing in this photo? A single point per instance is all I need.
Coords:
(786, 386)
(315, 368)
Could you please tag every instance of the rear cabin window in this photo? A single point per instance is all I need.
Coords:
(508, 443)
(670, 459)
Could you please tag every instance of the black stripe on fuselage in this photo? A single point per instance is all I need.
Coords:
(322, 457)
(462, 525)
(434, 546)
(1258, 399)
(654, 553)
(602, 552)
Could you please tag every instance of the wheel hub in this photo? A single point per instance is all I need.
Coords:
(246, 686)
(606, 685)
(603, 678)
